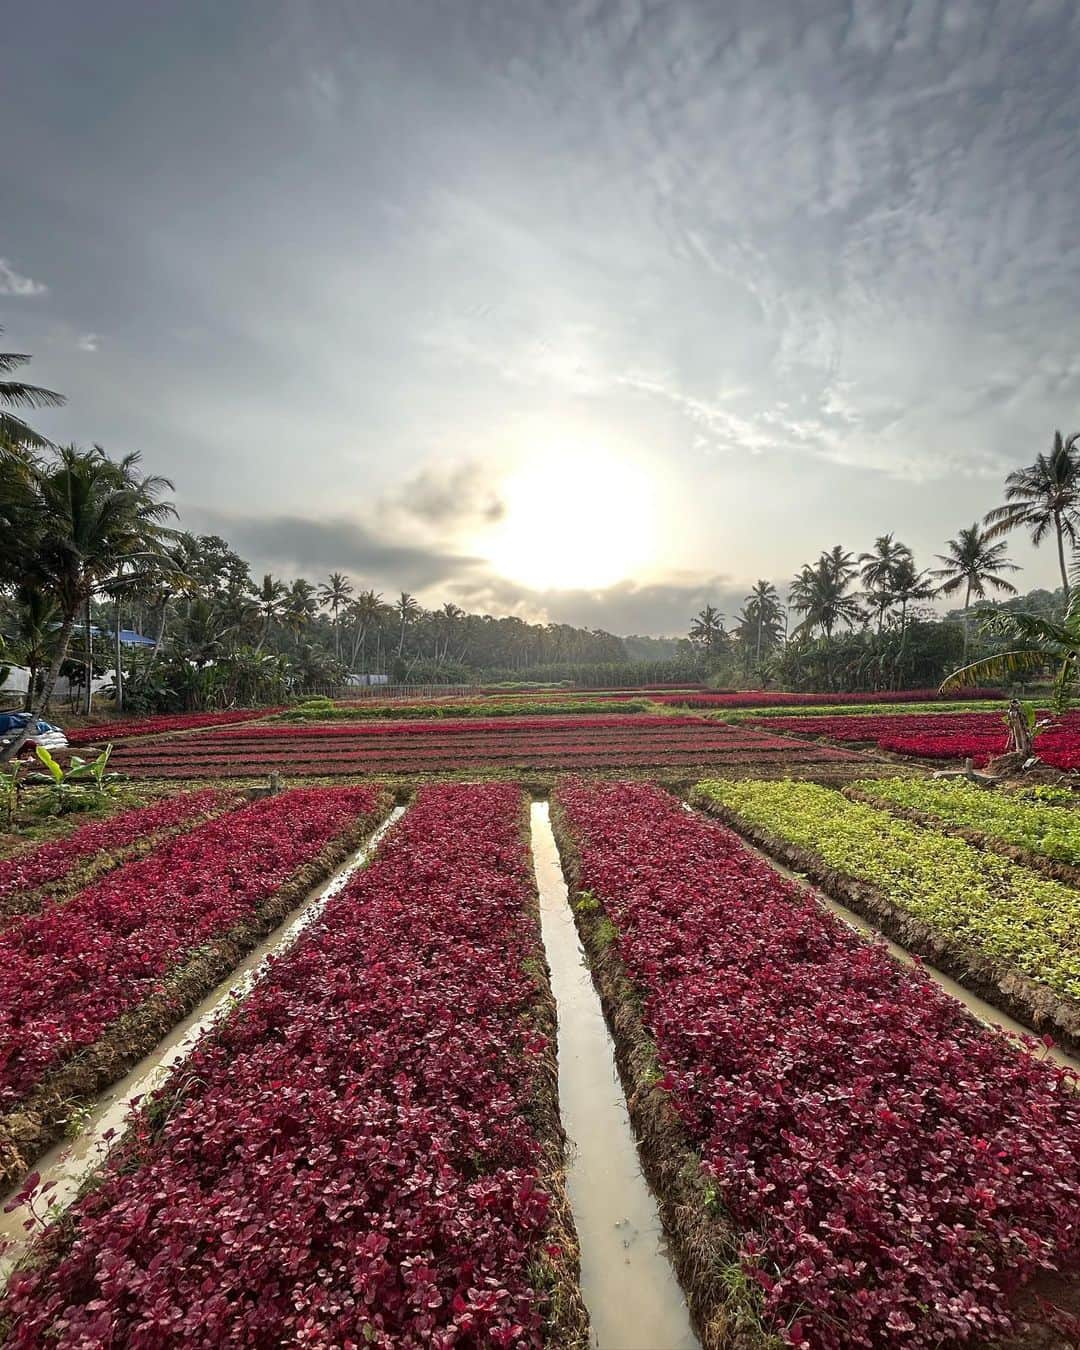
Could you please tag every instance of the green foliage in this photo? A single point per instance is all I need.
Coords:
(9, 795)
(586, 903)
(68, 786)
(1039, 822)
(977, 900)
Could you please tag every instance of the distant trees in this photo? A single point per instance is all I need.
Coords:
(821, 592)
(90, 518)
(707, 631)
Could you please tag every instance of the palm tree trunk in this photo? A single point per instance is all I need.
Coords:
(119, 664)
(1061, 558)
(40, 705)
(89, 630)
(401, 639)
(967, 602)
(160, 632)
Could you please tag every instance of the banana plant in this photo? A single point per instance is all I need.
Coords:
(66, 782)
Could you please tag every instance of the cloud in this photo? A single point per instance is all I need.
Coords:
(14, 283)
(662, 608)
(89, 342)
(449, 496)
(299, 544)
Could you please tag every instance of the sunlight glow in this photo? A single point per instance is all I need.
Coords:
(576, 517)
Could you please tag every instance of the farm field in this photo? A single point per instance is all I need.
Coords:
(610, 741)
(401, 1102)
(365, 1145)
(846, 1113)
(975, 735)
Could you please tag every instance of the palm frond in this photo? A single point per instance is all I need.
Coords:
(994, 668)
(18, 395)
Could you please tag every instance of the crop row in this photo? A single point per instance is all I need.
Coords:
(884, 1171)
(116, 955)
(451, 708)
(1039, 827)
(986, 917)
(618, 752)
(774, 698)
(35, 872)
(467, 728)
(975, 735)
(100, 732)
(368, 1151)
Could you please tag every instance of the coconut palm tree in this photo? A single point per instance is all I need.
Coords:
(93, 514)
(15, 394)
(364, 611)
(974, 563)
(1044, 498)
(299, 607)
(908, 585)
(333, 594)
(707, 629)
(270, 598)
(407, 609)
(820, 592)
(764, 617)
(878, 571)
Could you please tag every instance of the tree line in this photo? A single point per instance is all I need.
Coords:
(863, 621)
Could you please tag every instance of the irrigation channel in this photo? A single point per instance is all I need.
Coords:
(629, 1287)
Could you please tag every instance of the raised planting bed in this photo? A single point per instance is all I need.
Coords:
(452, 708)
(978, 736)
(775, 698)
(63, 865)
(89, 986)
(1008, 933)
(368, 1151)
(1040, 834)
(844, 1157)
(591, 744)
(97, 733)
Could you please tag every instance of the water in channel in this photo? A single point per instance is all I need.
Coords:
(630, 1289)
(68, 1165)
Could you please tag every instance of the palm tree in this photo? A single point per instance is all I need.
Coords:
(14, 394)
(93, 514)
(878, 570)
(299, 607)
(974, 563)
(820, 592)
(707, 629)
(366, 609)
(333, 595)
(1044, 497)
(766, 614)
(270, 599)
(908, 585)
(407, 609)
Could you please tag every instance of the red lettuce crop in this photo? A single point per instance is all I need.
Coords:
(49, 863)
(349, 1160)
(68, 972)
(975, 735)
(898, 1171)
(776, 698)
(100, 732)
(613, 742)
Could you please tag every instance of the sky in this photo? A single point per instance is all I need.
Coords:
(584, 310)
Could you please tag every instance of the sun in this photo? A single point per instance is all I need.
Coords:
(575, 518)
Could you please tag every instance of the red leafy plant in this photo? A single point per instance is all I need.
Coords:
(71, 970)
(349, 1159)
(50, 863)
(158, 726)
(899, 1172)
